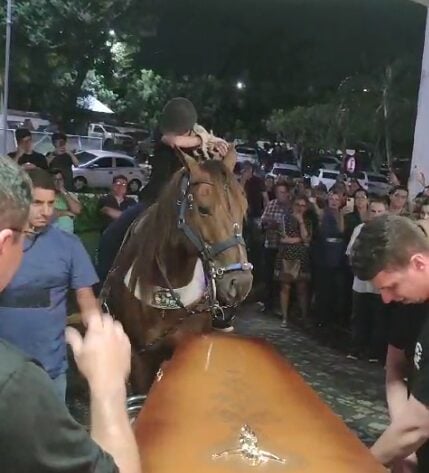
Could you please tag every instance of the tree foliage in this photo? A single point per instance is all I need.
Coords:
(377, 110)
(307, 60)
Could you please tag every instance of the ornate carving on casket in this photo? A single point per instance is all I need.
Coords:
(249, 450)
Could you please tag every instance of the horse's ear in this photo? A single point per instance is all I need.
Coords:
(188, 162)
(230, 159)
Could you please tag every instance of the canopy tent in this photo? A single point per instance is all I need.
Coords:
(92, 104)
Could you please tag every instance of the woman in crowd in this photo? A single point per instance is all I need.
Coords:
(293, 260)
(359, 215)
(359, 203)
(329, 261)
(321, 196)
(398, 198)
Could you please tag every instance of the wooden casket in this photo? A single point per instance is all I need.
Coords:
(227, 404)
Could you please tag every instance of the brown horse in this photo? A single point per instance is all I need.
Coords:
(182, 262)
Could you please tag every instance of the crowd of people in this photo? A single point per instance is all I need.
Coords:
(300, 239)
(335, 260)
(346, 264)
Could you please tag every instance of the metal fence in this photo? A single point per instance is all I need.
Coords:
(42, 142)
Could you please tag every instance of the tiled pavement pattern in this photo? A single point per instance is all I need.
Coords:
(353, 389)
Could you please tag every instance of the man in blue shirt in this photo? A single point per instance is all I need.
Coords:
(37, 433)
(33, 312)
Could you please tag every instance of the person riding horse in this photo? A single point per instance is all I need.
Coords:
(182, 263)
(177, 128)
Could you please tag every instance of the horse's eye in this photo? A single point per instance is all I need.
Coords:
(204, 211)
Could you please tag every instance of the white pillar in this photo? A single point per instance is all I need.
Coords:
(420, 160)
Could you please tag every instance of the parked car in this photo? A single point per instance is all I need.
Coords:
(329, 177)
(324, 176)
(329, 162)
(378, 184)
(287, 170)
(111, 136)
(98, 168)
(246, 153)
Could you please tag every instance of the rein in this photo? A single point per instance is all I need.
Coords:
(207, 254)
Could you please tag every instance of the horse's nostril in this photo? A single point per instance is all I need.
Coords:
(233, 289)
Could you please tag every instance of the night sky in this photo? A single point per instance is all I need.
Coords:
(312, 42)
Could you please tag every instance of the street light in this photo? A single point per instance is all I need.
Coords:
(6, 74)
(240, 85)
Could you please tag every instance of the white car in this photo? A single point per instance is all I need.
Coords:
(98, 168)
(287, 170)
(378, 184)
(329, 162)
(329, 177)
(111, 136)
(324, 176)
(246, 153)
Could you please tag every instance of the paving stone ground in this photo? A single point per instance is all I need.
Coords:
(353, 389)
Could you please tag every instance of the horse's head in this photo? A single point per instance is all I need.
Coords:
(211, 216)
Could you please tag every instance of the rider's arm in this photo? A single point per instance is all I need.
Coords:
(181, 141)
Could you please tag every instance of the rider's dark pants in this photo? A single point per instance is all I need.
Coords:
(112, 237)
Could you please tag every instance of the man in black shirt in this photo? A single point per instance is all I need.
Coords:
(112, 205)
(62, 159)
(37, 433)
(393, 253)
(25, 155)
(406, 323)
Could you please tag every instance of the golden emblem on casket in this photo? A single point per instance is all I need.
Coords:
(249, 450)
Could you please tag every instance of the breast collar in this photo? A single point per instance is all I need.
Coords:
(160, 298)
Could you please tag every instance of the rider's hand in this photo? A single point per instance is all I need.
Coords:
(220, 145)
(103, 355)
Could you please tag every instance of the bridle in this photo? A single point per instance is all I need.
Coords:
(206, 252)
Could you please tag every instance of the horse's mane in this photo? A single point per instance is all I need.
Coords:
(159, 232)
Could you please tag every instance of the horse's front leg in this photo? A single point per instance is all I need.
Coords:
(145, 366)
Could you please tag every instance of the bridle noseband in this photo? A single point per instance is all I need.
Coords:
(206, 252)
